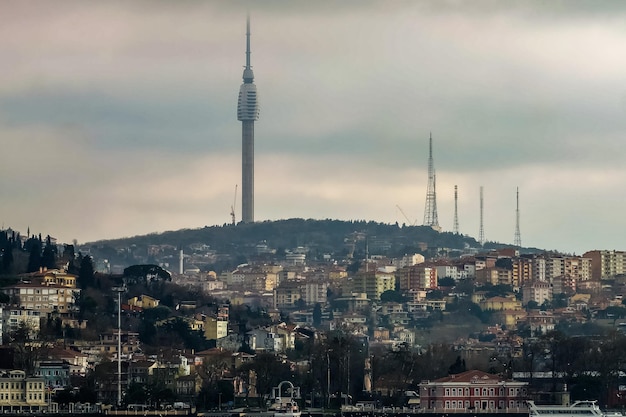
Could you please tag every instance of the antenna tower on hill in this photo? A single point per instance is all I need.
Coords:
(430, 212)
(517, 240)
(481, 232)
(455, 228)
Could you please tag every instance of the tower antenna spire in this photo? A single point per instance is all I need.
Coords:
(430, 212)
(455, 228)
(517, 240)
(481, 232)
(248, 42)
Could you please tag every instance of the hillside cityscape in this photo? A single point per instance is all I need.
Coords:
(285, 310)
(213, 318)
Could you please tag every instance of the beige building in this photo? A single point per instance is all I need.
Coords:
(538, 292)
(143, 301)
(373, 283)
(501, 303)
(15, 318)
(494, 276)
(215, 328)
(417, 277)
(287, 293)
(522, 271)
(19, 393)
(43, 297)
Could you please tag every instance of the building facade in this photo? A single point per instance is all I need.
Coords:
(473, 390)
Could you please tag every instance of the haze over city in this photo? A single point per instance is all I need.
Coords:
(119, 118)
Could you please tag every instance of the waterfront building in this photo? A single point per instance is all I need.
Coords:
(471, 391)
(19, 393)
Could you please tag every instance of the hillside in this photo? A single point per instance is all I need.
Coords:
(332, 237)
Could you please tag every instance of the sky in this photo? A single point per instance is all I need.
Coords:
(118, 118)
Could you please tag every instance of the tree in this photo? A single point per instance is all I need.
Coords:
(48, 258)
(34, 257)
(86, 272)
(446, 282)
(269, 371)
(458, 366)
(392, 296)
(317, 315)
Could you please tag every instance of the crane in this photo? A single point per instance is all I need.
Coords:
(232, 208)
(406, 217)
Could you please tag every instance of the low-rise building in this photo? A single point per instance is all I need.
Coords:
(20, 393)
(471, 391)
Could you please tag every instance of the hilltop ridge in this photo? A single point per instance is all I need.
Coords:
(337, 238)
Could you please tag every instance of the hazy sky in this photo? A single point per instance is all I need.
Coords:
(119, 118)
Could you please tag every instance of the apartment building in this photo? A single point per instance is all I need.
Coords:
(606, 264)
(417, 277)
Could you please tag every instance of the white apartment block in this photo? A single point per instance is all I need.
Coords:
(451, 271)
(13, 319)
(607, 264)
(315, 292)
(572, 266)
(539, 269)
(409, 260)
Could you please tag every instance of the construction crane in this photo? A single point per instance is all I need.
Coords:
(406, 217)
(232, 208)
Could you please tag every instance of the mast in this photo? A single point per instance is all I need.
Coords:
(517, 240)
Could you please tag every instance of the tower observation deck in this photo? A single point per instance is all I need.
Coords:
(247, 113)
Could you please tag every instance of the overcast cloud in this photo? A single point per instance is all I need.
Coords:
(119, 118)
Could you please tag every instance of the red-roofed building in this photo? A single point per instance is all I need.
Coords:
(473, 390)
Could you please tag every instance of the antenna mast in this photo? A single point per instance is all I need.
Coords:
(517, 240)
(455, 227)
(481, 232)
(430, 212)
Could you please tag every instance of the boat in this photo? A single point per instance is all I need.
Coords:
(586, 408)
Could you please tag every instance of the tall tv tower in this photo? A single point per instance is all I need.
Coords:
(455, 228)
(481, 232)
(430, 212)
(517, 240)
(247, 113)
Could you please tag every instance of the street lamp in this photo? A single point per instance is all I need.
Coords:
(119, 291)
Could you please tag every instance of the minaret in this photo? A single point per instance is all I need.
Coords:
(517, 240)
(181, 261)
(455, 228)
(430, 212)
(247, 113)
(481, 232)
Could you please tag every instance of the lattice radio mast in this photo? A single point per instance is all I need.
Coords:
(455, 227)
(481, 232)
(430, 212)
(517, 240)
